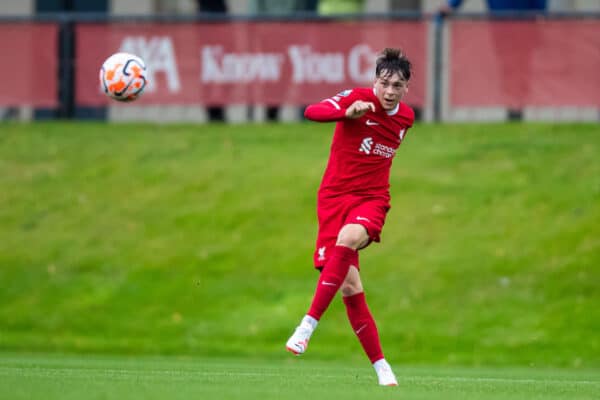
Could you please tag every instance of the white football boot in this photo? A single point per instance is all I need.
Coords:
(298, 342)
(384, 373)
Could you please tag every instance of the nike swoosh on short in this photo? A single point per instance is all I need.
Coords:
(370, 123)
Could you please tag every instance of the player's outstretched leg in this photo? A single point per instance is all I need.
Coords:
(365, 328)
(328, 284)
(331, 279)
(298, 342)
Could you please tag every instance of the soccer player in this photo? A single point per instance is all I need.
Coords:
(354, 197)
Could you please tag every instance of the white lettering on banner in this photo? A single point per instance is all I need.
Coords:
(313, 67)
(220, 67)
(361, 63)
(159, 56)
(308, 65)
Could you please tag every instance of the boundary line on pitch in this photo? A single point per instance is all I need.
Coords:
(127, 373)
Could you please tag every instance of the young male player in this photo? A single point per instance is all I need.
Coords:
(354, 197)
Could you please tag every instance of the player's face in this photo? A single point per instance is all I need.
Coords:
(389, 89)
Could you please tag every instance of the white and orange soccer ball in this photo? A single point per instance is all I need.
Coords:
(123, 76)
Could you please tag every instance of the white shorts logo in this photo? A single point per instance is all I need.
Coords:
(366, 145)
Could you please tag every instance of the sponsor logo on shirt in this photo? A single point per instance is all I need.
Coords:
(384, 151)
(367, 146)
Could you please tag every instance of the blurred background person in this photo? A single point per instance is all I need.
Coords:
(215, 112)
(280, 8)
(212, 6)
(327, 7)
(514, 50)
(500, 5)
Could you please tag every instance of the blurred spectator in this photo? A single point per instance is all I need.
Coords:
(514, 56)
(212, 6)
(501, 5)
(280, 8)
(405, 5)
(215, 112)
(327, 7)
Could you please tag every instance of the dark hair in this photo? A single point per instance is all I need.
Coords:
(391, 61)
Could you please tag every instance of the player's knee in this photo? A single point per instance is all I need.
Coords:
(353, 236)
(350, 288)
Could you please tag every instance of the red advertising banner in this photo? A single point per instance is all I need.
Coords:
(248, 62)
(29, 67)
(525, 63)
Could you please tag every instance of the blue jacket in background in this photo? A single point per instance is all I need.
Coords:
(508, 5)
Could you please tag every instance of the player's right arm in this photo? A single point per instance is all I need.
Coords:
(359, 108)
(340, 106)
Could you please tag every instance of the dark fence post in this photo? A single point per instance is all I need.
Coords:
(66, 78)
(438, 55)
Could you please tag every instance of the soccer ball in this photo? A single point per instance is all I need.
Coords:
(123, 76)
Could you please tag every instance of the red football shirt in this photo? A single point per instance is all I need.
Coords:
(362, 149)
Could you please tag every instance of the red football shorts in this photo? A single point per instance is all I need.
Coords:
(334, 213)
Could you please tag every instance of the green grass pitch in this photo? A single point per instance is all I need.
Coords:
(193, 244)
(109, 377)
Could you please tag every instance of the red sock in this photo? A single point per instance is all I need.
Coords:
(364, 325)
(331, 279)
